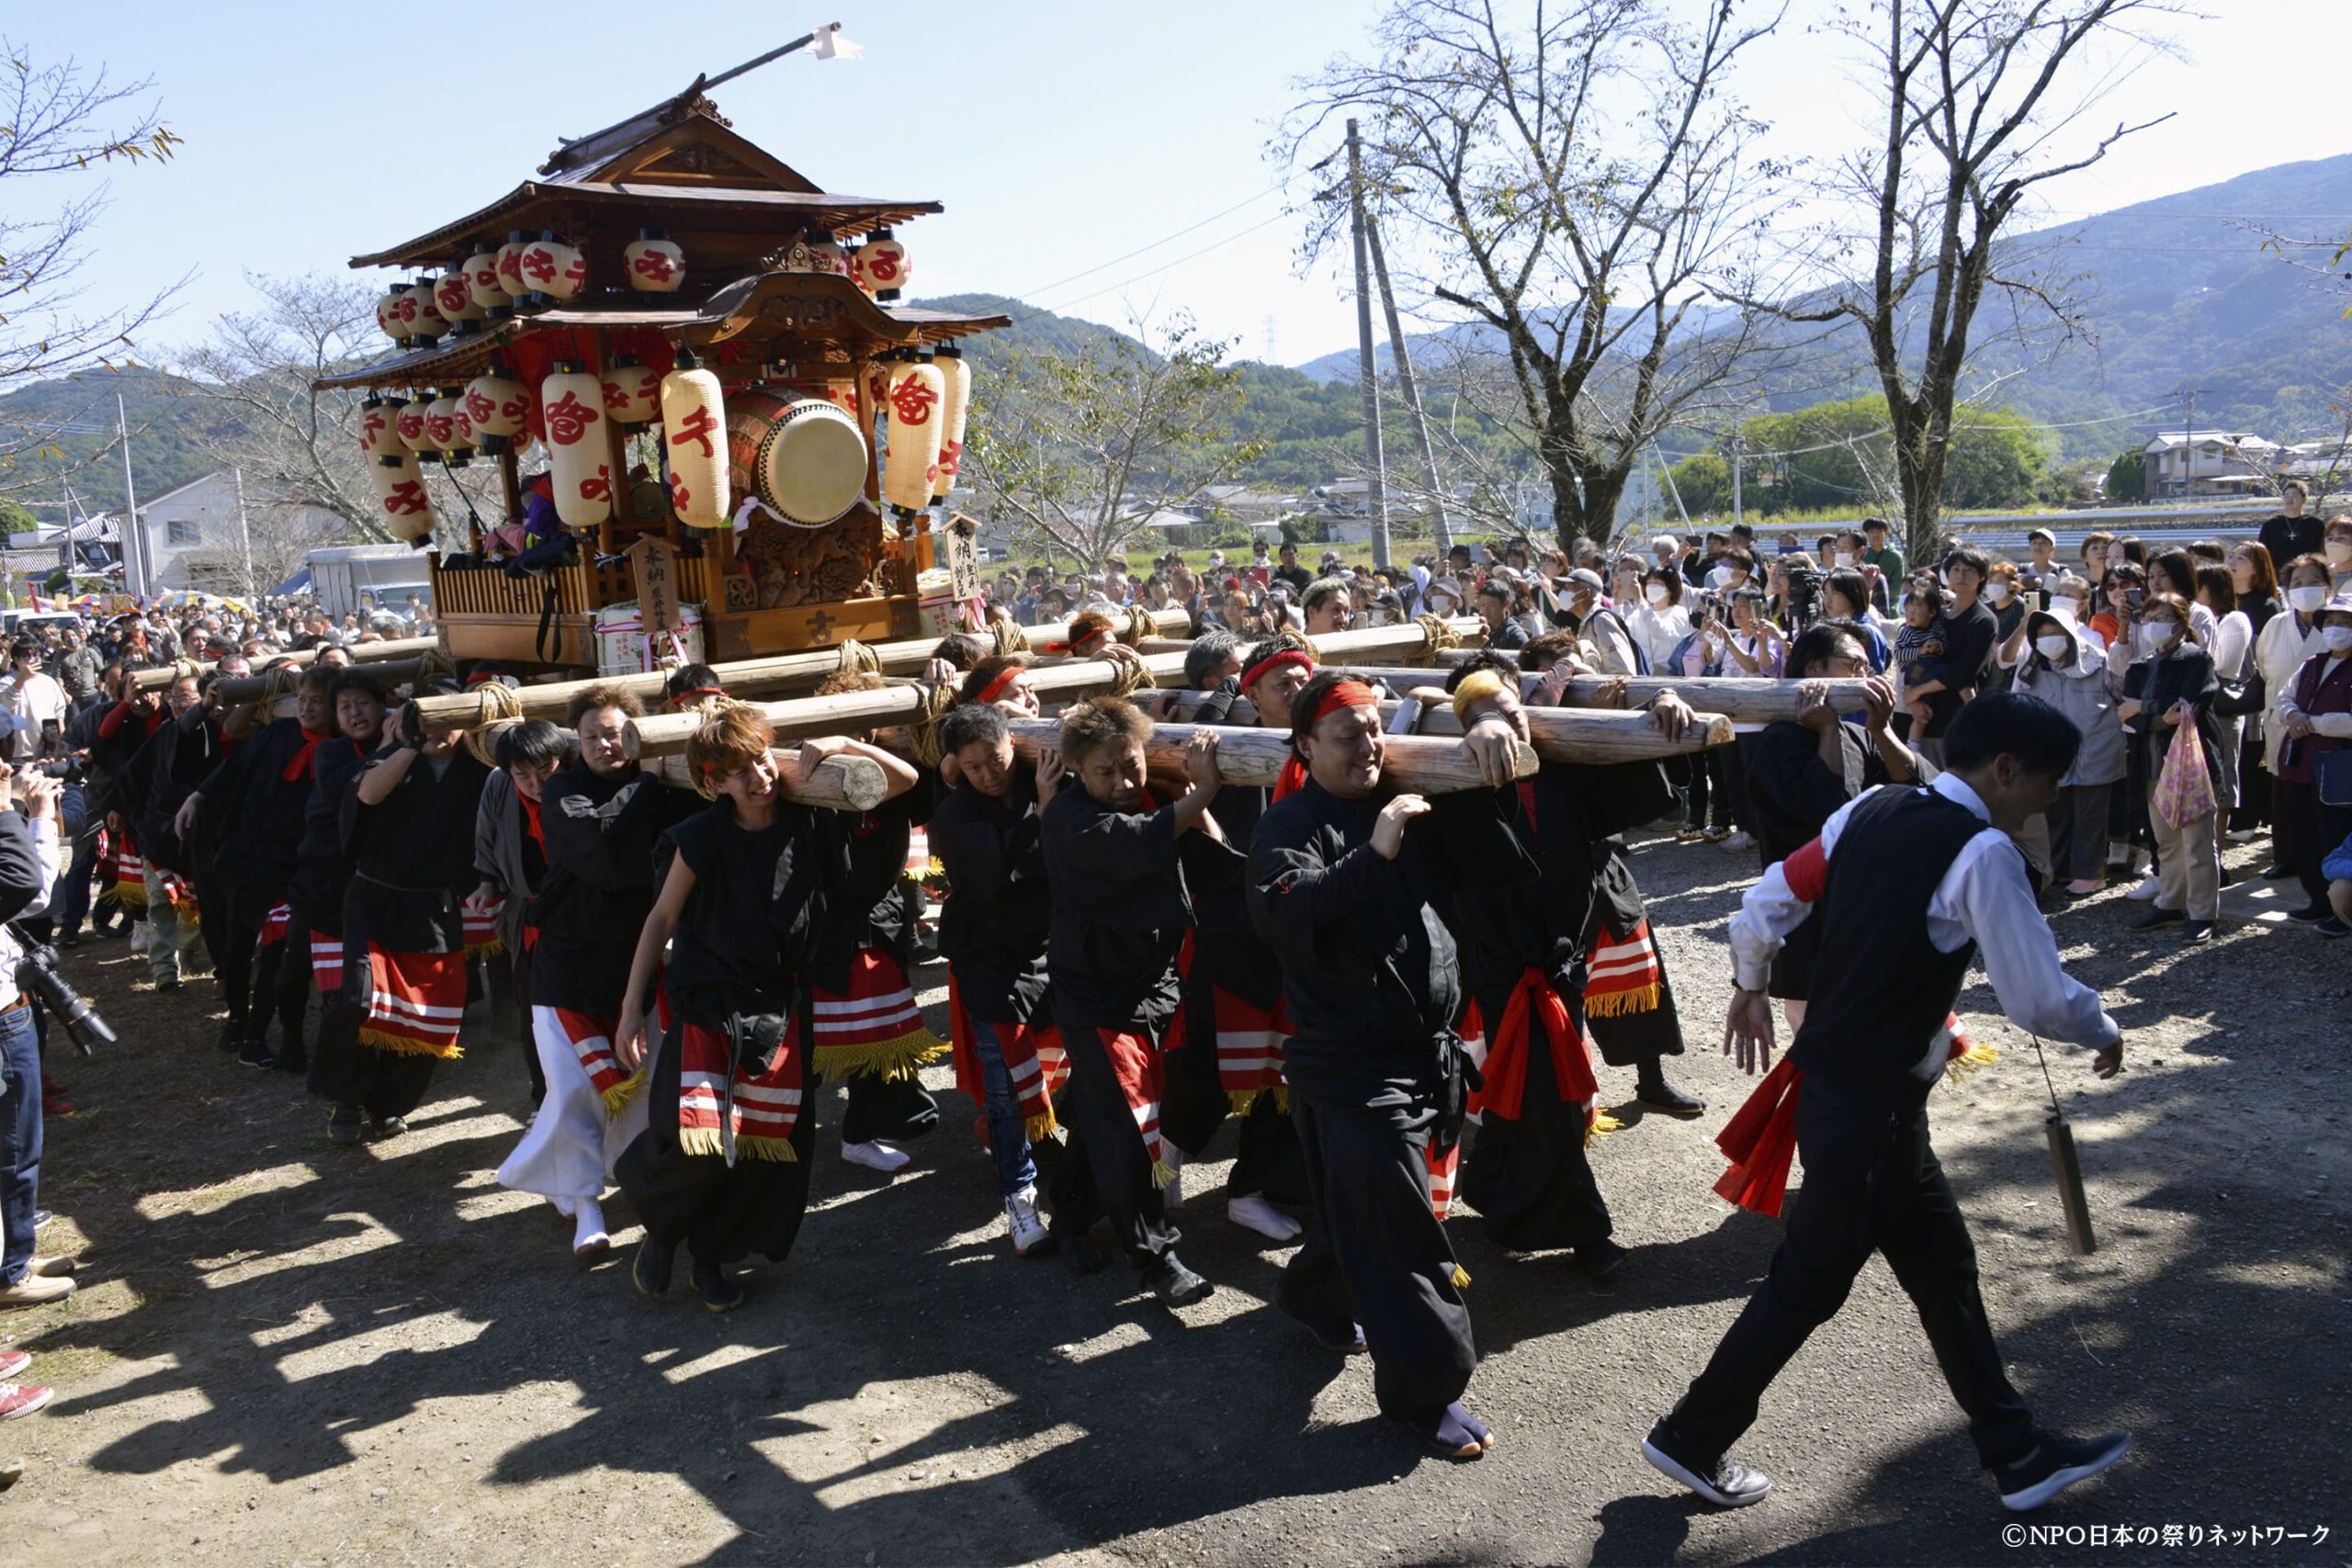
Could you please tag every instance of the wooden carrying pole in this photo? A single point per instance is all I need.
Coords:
(1364, 641)
(1412, 763)
(1561, 735)
(845, 784)
(1740, 698)
(745, 678)
(388, 672)
(361, 653)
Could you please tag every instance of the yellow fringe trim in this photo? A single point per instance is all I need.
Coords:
(888, 1060)
(1162, 1173)
(1972, 1060)
(1245, 1101)
(489, 948)
(706, 1140)
(401, 1046)
(128, 895)
(1600, 1126)
(617, 1097)
(1461, 1278)
(1609, 1004)
(1041, 1126)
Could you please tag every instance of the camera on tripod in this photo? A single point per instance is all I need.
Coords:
(37, 977)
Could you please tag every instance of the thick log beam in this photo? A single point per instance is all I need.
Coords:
(1416, 765)
(361, 653)
(391, 673)
(843, 783)
(1740, 698)
(1561, 735)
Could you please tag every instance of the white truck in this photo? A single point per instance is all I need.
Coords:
(363, 576)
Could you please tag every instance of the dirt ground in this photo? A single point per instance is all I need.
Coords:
(289, 1352)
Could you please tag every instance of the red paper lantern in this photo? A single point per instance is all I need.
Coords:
(693, 436)
(880, 268)
(556, 271)
(579, 462)
(914, 403)
(632, 393)
(655, 263)
(398, 483)
(955, 405)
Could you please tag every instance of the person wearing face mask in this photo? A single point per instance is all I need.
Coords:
(2171, 683)
(2337, 552)
(1444, 598)
(2255, 580)
(2174, 572)
(2233, 651)
(2005, 594)
(1658, 620)
(2066, 671)
(2315, 713)
(2290, 638)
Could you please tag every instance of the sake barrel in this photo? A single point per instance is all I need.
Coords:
(804, 456)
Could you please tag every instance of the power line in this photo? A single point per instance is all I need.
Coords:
(1164, 239)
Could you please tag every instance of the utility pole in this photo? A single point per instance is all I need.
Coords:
(1375, 462)
(1738, 449)
(135, 533)
(1406, 384)
(2188, 441)
(246, 537)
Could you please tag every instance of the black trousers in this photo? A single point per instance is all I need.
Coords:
(723, 1213)
(1373, 1254)
(2308, 833)
(1105, 1171)
(1195, 1105)
(1872, 1183)
(891, 1109)
(349, 1071)
(234, 959)
(282, 978)
(1528, 1177)
(522, 972)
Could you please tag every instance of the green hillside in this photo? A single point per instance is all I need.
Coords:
(164, 454)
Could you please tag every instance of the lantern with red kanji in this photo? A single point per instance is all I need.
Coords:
(498, 406)
(441, 426)
(429, 324)
(396, 318)
(555, 270)
(912, 402)
(632, 393)
(956, 403)
(482, 281)
(453, 295)
(398, 483)
(380, 433)
(880, 266)
(579, 461)
(461, 448)
(408, 421)
(654, 263)
(510, 265)
(693, 437)
(817, 252)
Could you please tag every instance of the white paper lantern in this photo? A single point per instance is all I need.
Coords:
(912, 461)
(453, 295)
(460, 447)
(571, 406)
(632, 393)
(655, 264)
(556, 270)
(393, 316)
(380, 433)
(400, 492)
(408, 420)
(481, 280)
(510, 266)
(956, 403)
(500, 407)
(880, 266)
(429, 324)
(694, 435)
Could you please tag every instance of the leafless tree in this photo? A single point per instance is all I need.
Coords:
(1982, 101)
(297, 443)
(63, 119)
(1575, 177)
(1074, 450)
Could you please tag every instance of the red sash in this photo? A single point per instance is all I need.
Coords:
(326, 962)
(1250, 1039)
(766, 1104)
(415, 1002)
(1622, 976)
(482, 940)
(1136, 1063)
(874, 1027)
(591, 1037)
(274, 924)
(1032, 1056)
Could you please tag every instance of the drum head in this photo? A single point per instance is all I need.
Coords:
(812, 464)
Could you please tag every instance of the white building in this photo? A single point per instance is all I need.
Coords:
(193, 538)
(2209, 462)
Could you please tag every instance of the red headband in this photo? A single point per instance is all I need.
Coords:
(995, 688)
(683, 698)
(1344, 694)
(1273, 662)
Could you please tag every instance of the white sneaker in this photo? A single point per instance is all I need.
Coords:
(2145, 891)
(1172, 1195)
(876, 1155)
(2243, 835)
(1742, 839)
(588, 1237)
(2118, 855)
(1252, 1212)
(139, 929)
(1028, 1232)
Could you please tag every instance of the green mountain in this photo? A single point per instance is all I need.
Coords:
(80, 410)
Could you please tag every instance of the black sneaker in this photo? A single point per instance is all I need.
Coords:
(168, 982)
(2277, 872)
(1176, 1285)
(1724, 1482)
(255, 1053)
(1668, 1100)
(2054, 1464)
(718, 1292)
(650, 1270)
(2198, 931)
(233, 1036)
(2332, 927)
(345, 1124)
(1600, 1258)
(71, 938)
(2312, 915)
(2158, 916)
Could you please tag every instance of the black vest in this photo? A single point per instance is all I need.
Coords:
(1880, 990)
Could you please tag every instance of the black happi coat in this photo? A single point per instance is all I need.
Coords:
(871, 896)
(256, 814)
(1795, 794)
(992, 929)
(1121, 899)
(413, 856)
(159, 778)
(725, 957)
(1369, 969)
(321, 865)
(601, 831)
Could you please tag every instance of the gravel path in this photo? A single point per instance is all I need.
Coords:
(290, 1352)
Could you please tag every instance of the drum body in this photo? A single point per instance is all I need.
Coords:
(804, 456)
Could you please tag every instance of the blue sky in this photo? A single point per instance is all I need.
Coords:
(1058, 135)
